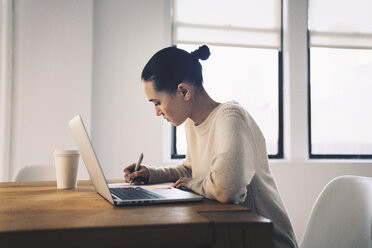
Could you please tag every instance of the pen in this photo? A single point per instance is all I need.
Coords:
(137, 166)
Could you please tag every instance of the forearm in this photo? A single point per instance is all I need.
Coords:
(223, 187)
(168, 174)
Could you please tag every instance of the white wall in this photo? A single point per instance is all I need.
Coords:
(52, 76)
(86, 57)
(126, 35)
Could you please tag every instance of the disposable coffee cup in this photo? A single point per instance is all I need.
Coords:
(66, 162)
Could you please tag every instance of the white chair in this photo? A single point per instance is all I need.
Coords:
(342, 215)
(35, 173)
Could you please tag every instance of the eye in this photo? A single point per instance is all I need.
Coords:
(156, 103)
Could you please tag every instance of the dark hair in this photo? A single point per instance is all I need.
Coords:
(171, 66)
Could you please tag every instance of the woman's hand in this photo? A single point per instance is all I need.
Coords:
(139, 177)
(182, 182)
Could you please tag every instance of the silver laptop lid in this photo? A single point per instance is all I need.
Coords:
(89, 157)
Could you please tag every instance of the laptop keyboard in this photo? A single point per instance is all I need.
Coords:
(134, 193)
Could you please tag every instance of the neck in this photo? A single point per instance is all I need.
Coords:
(203, 105)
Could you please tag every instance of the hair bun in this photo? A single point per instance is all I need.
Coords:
(202, 52)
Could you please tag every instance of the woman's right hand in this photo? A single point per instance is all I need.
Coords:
(139, 177)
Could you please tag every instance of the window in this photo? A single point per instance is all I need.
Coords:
(340, 82)
(245, 41)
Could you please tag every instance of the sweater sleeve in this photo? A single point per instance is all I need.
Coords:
(171, 173)
(233, 161)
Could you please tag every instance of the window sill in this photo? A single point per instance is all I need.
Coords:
(315, 162)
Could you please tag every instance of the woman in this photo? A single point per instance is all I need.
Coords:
(226, 152)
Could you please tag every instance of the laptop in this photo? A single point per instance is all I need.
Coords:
(122, 194)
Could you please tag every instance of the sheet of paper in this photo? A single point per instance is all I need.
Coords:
(150, 186)
(118, 185)
(158, 186)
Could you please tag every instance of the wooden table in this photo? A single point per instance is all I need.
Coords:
(37, 214)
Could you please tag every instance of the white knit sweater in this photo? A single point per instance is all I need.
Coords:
(227, 159)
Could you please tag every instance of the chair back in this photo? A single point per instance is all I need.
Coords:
(342, 215)
(35, 173)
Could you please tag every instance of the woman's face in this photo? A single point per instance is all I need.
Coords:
(173, 107)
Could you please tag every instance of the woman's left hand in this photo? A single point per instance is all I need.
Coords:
(182, 182)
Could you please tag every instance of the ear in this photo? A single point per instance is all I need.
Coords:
(185, 90)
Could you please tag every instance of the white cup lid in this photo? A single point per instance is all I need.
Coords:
(66, 153)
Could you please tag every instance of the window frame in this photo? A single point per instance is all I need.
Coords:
(296, 104)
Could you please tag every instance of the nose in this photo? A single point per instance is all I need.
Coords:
(158, 111)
